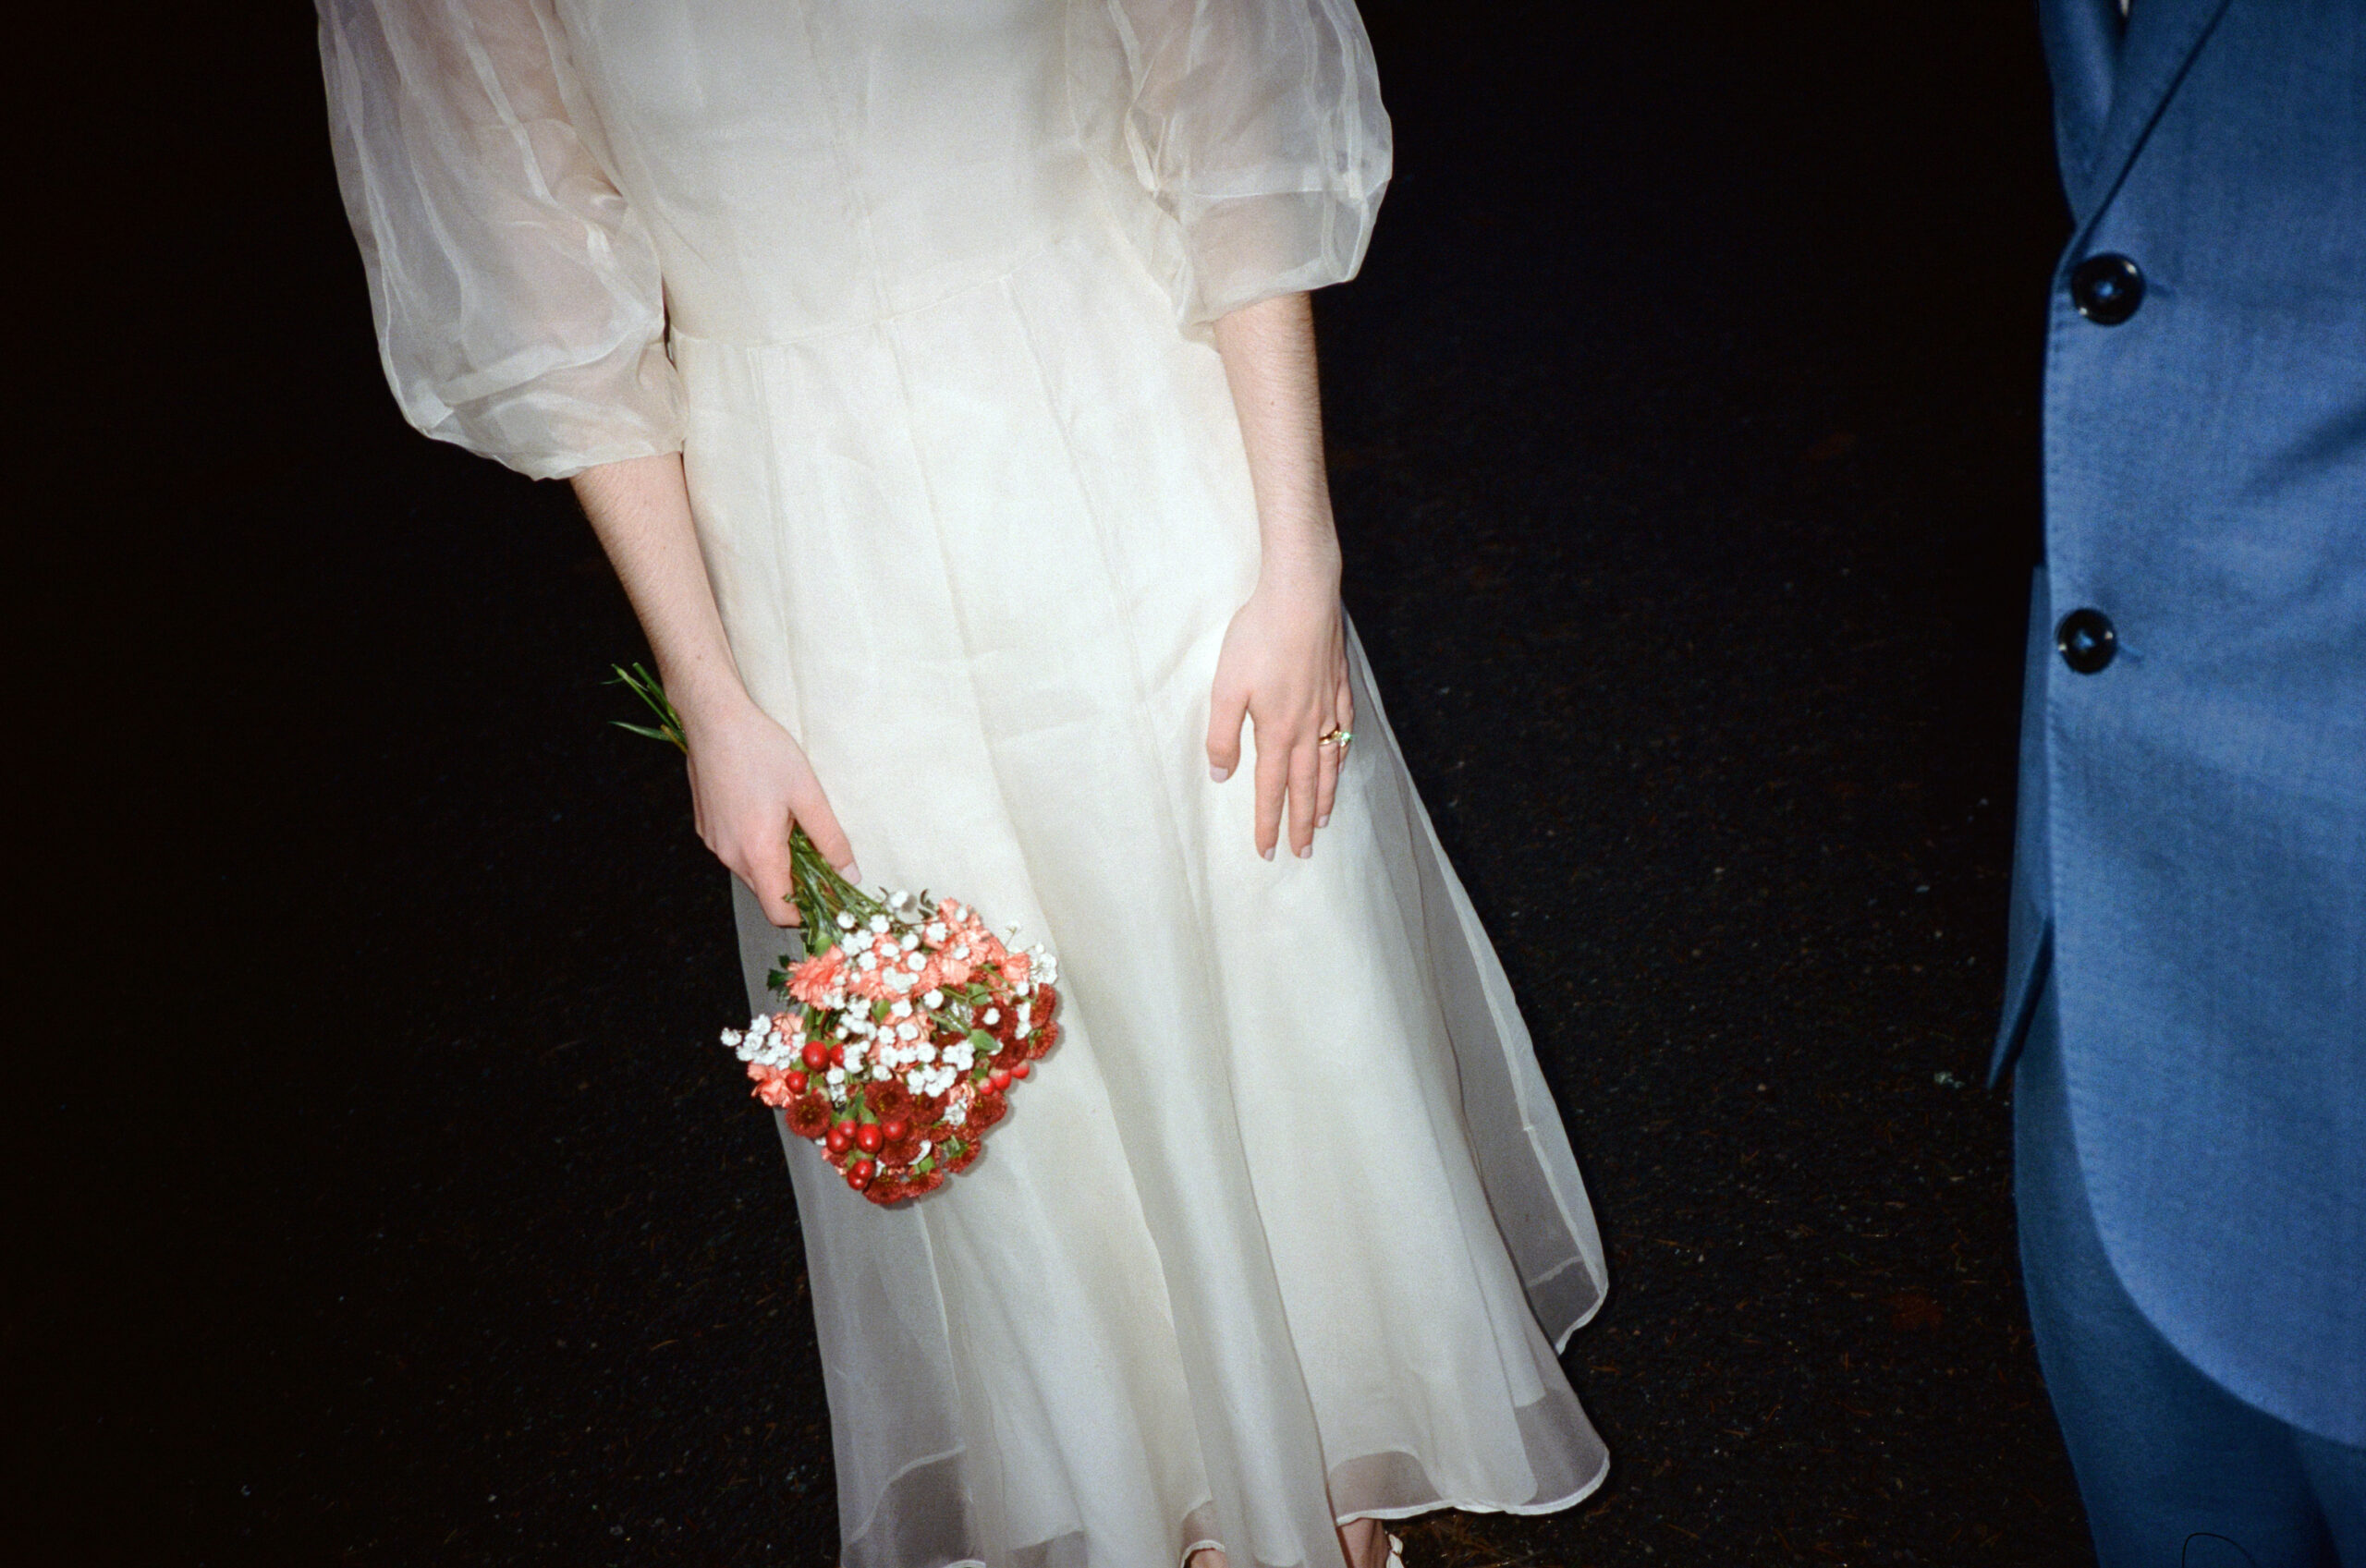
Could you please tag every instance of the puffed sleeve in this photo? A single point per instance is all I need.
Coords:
(1242, 142)
(518, 307)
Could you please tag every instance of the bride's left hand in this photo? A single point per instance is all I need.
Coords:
(1284, 668)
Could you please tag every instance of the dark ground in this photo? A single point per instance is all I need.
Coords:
(385, 1200)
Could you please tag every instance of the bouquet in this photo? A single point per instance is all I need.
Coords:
(908, 1020)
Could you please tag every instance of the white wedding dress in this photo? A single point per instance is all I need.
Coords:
(1288, 1230)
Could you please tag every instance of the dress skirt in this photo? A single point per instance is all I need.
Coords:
(1287, 1231)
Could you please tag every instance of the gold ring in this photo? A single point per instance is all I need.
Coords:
(1338, 737)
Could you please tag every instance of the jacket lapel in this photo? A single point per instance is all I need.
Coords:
(2160, 43)
(2082, 54)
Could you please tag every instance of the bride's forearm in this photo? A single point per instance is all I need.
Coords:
(1268, 353)
(641, 509)
(749, 780)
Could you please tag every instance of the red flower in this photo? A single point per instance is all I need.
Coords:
(887, 1189)
(808, 1116)
(927, 1110)
(888, 1099)
(902, 1150)
(963, 1158)
(986, 1110)
(1004, 1026)
(1045, 1038)
(924, 1183)
(1044, 1002)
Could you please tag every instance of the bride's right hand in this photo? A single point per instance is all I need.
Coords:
(750, 783)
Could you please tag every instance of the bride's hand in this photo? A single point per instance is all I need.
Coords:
(749, 782)
(1284, 667)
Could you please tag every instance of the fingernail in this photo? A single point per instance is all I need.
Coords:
(1323, 820)
(1266, 853)
(852, 871)
(1306, 853)
(1219, 774)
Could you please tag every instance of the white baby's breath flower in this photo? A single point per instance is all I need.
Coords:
(911, 940)
(899, 899)
(955, 1115)
(883, 1073)
(916, 1081)
(936, 933)
(926, 1053)
(879, 924)
(932, 1001)
(836, 1076)
(992, 1016)
(900, 1010)
(732, 1037)
(845, 920)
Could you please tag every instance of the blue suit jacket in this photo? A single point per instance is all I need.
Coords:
(2192, 857)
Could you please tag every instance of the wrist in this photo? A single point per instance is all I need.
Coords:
(1309, 568)
(707, 694)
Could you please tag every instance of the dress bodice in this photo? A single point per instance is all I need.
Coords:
(803, 168)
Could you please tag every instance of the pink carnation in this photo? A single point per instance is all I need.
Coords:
(817, 977)
(772, 1085)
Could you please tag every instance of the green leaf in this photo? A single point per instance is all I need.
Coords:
(641, 684)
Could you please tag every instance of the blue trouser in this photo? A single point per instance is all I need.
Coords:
(2175, 1472)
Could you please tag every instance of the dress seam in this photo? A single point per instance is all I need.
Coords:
(1172, 816)
(886, 317)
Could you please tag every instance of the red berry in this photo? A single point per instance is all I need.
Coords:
(1018, 1069)
(837, 1056)
(999, 1077)
(894, 1128)
(841, 1138)
(816, 1055)
(868, 1137)
(859, 1175)
(796, 1083)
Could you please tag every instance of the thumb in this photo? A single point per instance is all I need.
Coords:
(820, 824)
(1224, 719)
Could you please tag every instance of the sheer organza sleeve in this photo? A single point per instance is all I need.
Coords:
(518, 307)
(1242, 142)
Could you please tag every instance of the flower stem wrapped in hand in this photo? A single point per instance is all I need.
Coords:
(908, 1020)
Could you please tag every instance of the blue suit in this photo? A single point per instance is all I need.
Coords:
(2189, 920)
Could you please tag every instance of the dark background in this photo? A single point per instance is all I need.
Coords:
(382, 1197)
